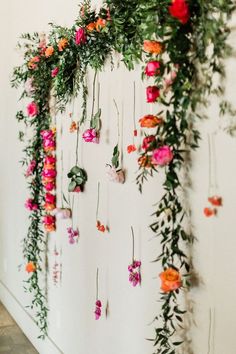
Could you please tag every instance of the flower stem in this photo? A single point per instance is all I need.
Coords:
(93, 102)
(97, 279)
(98, 197)
(132, 233)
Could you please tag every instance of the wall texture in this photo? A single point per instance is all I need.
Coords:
(72, 328)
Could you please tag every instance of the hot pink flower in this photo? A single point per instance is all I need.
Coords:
(152, 68)
(30, 168)
(50, 160)
(98, 310)
(32, 109)
(49, 145)
(147, 141)
(49, 173)
(49, 186)
(134, 273)
(54, 72)
(73, 235)
(152, 93)
(162, 156)
(50, 198)
(30, 205)
(80, 36)
(49, 220)
(77, 189)
(47, 134)
(90, 136)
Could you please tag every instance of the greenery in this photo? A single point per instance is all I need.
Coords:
(195, 50)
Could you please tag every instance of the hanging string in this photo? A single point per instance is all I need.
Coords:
(132, 233)
(98, 199)
(97, 284)
(134, 111)
(210, 167)
(93, 102)
(118, 130)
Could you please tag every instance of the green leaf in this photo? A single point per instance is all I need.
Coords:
(72, 186)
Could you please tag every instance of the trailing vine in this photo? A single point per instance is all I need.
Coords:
(181, 46)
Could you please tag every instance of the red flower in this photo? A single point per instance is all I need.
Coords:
(131, 148)
(152, 68)
(215, 200)
(147, 141)
(180, 10)
(152, 93)
(209, 212)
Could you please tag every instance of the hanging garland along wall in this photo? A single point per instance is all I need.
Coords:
(182, 45)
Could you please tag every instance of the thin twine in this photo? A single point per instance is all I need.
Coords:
(93, 103)
(62, 165)
(97, 284)
(119, 139)
(98, 94)
(134, 108)
(209, 331)
(132, 233)
(212, 166)
(61, 266)
(98, 197)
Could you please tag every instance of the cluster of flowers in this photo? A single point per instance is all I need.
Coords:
(215, 202)
(134, 273)
(91, 136)
(49, 177)
(73, 235)
(98, 309)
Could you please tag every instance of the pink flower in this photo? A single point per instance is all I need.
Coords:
(49, 173)
(50, 160)
(62, 213)
(54, 72)
(90, 136)
(169, 80)
(80, 36)
(114, 175)
(152, 93)
(147, 141)
(134, 273)
(152, 68)
(162, 156)
(47, 134)
(29, 88)
(49, 145)
(32, 109)
(49, 186)
(49, 220)
(73, 235)
(30, 168)
(50, 198)
(30, 205)
(98, 310)
(77, 189)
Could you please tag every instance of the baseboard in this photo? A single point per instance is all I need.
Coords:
(26, 322)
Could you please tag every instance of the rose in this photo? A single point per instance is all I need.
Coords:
(51, 173)
(152, 47)
(131, 148)
(150, 121)
(50, 198)
(30, 267)
(49, 51)
(147, 142)
(54, 72)
(50, 160)
(170, 280)
(180, 10)
(49, 186)
(80, 36)
(49, 220)
(152, 93)
(32, 109)
(91, 26)
(46, 134)
(90, 136)
(152, 68)
(162, 156)
(49, 145)
(101, 23)
(62, 44)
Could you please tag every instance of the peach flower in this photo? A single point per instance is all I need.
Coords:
(153, 47)
(62, 44)
(170, 280)
(30, 267)
(150, 121)
(49, 51)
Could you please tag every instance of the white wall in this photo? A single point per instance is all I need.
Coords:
(73, 329)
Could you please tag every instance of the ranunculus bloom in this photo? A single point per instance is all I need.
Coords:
(162, 156)
(115, 176)
(46, 134)
(147, 141)
(50, 198)
(180, 10)
(49, 51)
(101, 23)
(62, 44)
(90, 136)
(145, 161)
(50, 228)
(215, 200)
(131, 148)
(49, 219)
(49, 145)
(49, 186)
(49, 173)
(91, 26)
(50, 160)
(32, 64)
(49, 207)
(170, 280)
(32, 109)
(152, 93)
(30, 267)
(54, 72)
(152, 47)
(208, 212)
(152, 68)
(150, 121)
(80, 36)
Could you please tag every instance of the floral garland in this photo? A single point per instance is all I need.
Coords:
(172, 38)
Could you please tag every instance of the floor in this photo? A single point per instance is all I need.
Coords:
(12, 339)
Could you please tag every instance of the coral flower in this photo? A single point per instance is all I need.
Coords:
(131, 148)
(153, 47)
(32, 109)
(101, 23)
(180, 10)
(80, 36)
(152, 93)
(54, 72)
(100, 227)
(208, 212)
(91, 26)
(32, 64)
(150, 121)
(73, 127)
(215, 200)
(30, 267)
(50, 228)
(147, 142)
(162, 156)
(49, 51)
(145, 161)
(62, 44)
(49, 207)
(170, 280)
(152, 68)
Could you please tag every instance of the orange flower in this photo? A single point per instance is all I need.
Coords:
(170, 280)
(50, 227)
(30, 267)
(100, 227)
(210, 212)
(215, 200)
(73, 127)
(49, 206)
(49, 51)
(101, 23)
(91, 26)
(131, 148)
(145, 161)
(150, 121)
(153, 47)
(32, 63)
(62, 44)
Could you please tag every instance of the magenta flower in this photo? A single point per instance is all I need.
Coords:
(49, 144)
(49, 220)
(54, 72)
(30, 205)
(98, 310)
(91, 136)
(49, 173)
(152, 93)
(147, 141)
(50, 198)
(50, 160)
(46, 134)
(30, 168)
(73, 235)
(49, 186)
(80, 36)
(32, 109)
(134, 273)
(162, 156)
(152, 68)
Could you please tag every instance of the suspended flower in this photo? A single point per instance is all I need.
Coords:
(152, 93)
(134, 273)
(215, 200)
(100, 226)
(91, 136)
(150, 121)
(170, 280)
(210, 212)
(73, 127)
(153, 47)
(62, 213)
(131, 148)
(73, 235)
(30, 267)
(153, 68)
(180, 10)
(32, 109)
(117, 176)
(80, 36)
(162, 156)
(62, 44)
(98, 309)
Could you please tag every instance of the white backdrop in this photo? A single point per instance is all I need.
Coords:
(72, 328)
